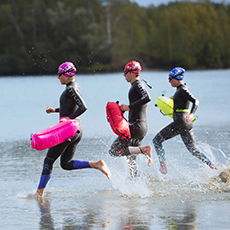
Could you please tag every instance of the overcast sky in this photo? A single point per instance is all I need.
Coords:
(146, 3)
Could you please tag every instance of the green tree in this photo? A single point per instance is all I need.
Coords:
(102, 35)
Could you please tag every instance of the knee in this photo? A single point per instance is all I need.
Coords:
(112, 152)
(157, 142)
(119, 152)
(193, 149)
(48, 166)
(65, 165)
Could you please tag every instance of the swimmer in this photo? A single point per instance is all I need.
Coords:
(138, 99)
(72, 106)
(182, 121)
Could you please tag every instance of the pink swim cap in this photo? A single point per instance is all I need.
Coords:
(133, 67)
(67, 69)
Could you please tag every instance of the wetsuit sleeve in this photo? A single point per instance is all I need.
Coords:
(192, 99)
(144, 96)
(78, 100)
(57, 110)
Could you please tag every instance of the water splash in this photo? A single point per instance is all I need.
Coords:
(221, 182)
(187, 177)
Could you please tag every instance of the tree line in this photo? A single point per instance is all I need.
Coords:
(103, 35)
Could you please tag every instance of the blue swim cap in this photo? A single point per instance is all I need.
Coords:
(177, 73)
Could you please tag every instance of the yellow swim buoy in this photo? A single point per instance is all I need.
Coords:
(165, 104)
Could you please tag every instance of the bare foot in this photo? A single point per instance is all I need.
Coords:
(212, 166)
(147, 150)
(163, 168)
(101, 165)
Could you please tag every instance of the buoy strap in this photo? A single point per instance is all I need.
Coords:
(182, 110)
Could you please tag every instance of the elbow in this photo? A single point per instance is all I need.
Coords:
(196, 104)
(148, 99)
(82, 110)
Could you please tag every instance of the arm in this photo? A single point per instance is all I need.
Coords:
(195, 104)
(144, 96)
(79, 101)
(51, 110)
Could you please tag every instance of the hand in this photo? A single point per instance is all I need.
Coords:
(189, 118)
(50, 109)
(124, 107)
(64, 119)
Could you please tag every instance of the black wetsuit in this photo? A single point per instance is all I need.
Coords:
(138, 99)
(181, 99)
(72, 106)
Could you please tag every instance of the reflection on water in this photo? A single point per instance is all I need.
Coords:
(46, 221)
(118, 214)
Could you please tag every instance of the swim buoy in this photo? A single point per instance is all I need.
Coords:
(117, 121)
(54, 135)
(165, 104)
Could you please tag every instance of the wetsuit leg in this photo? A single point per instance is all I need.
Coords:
(66, 158)
(46, 172)
(138, 131)
(119, 148)
(170, 131)
(189, 141)
(52, 155)
(132, 164)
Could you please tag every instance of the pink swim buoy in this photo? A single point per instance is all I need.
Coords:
(54, 135)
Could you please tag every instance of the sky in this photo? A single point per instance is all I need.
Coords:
(146, 3)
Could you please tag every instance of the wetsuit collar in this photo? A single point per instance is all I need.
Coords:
(69, 83)
(135, 81)
(180, 85)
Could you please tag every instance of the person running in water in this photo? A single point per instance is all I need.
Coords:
(138, 99)
(182, 121)
(71, 107)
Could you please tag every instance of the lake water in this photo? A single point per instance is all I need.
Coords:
(186, 198)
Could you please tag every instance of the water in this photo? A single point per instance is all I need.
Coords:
(186, 198)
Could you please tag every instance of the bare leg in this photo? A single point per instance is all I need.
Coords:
(39, 192)
(100, 165)
(147, 150)
(163, 167)
(212, 166)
